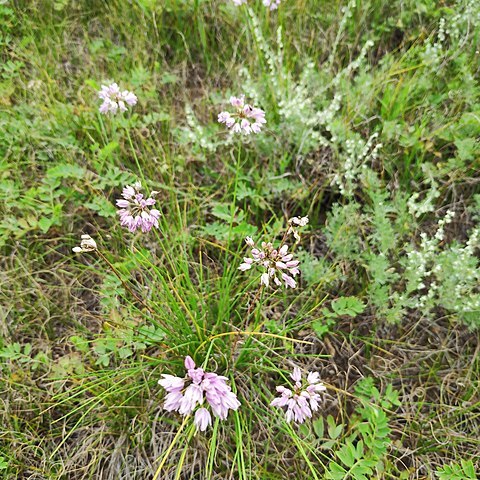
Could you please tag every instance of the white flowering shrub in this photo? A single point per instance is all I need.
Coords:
(307, 103)
(355, 155)
(454, 29)
(405, 277)
(444, 275)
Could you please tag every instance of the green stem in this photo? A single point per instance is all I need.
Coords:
(140, 171)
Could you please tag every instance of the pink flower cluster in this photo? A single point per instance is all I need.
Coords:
(279, 264)
(114, 99)
(184, 394)
(135, 210)
(246, 119)
(273, 4)
(303, 399)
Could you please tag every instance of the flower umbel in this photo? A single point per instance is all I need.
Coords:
(185, 394)
(114, 99)
(136, 211)
(88, 244)
(294, 224)
(246, 119)
(272, 4)
(302, 399)
(279, 264)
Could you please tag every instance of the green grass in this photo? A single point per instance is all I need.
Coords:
(375, 142)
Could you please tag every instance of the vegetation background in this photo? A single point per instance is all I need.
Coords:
(373, 131)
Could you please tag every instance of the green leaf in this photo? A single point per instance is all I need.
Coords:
(319, 427)
(151, 334)
(243, 230)
(103, 360)
(92, 83)
(469, 469)
(167, 78)
(465, 471)
(27, 348)
(9, 352)
(224, 211)
(125, 352)
(359, 450)
(218, 230)
(80, 343)
(346, 454)
(66, 170)
(102, 206)
(243, 191)
(349, 306)
(304, 430)
(106, 152)
(45, 223)
(335, 471)
(466, 148)
(334, 430)
(321, 328)
(153, 118)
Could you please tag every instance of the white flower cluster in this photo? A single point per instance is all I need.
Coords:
(417, 206)
(271, 4)
(347, 11)
(301, 103)
(459, 27)
(277, 75)
(352, 66)
(420, 263)
(434, 52)
(294, 224)
(87, 244)
(357, 154)
(443, 275)
(465, 20)
(300, 108)
(465, 275)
